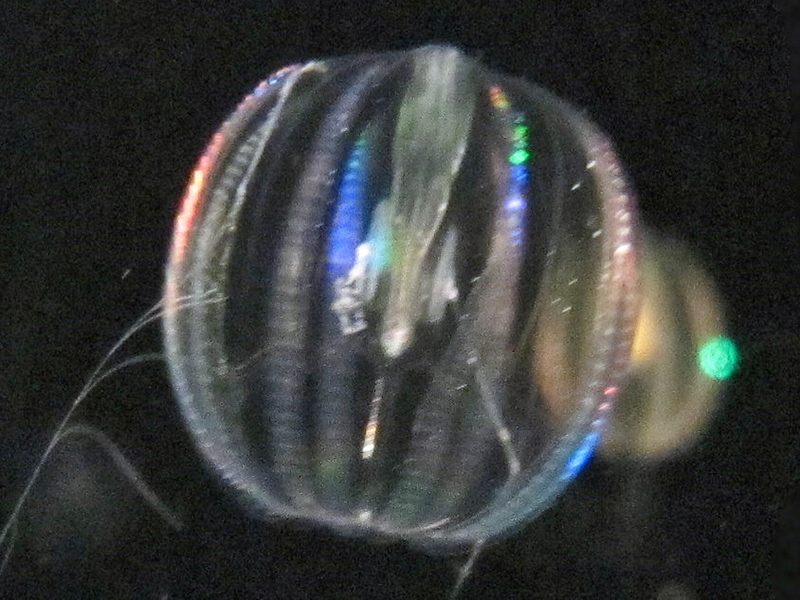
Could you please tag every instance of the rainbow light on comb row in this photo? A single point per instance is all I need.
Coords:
(516, 204)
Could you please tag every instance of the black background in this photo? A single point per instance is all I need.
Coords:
(106, 106)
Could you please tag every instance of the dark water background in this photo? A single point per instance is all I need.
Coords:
(107, 104)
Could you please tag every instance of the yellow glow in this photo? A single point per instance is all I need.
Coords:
(645, 341)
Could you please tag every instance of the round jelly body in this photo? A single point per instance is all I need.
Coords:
(366, 275)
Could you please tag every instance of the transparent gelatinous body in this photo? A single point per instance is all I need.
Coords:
(393, 240)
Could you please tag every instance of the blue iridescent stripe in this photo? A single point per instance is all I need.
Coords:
(349, 215)
(581, 457)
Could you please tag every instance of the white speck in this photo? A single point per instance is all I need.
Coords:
(597, 233)
(575, 186)
(452, 292)
(591, 164)
(125, 273)
(396, 340)
(368, 450)
(573, 281)
(566, 309)
(623, 249)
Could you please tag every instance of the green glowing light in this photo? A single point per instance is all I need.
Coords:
(518, 157)
(520, 133)
(718, 358)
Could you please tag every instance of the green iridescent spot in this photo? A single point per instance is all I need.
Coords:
(718, 358)
(520, 133)
(518, 157)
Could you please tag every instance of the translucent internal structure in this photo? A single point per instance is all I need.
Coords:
(365, 266)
